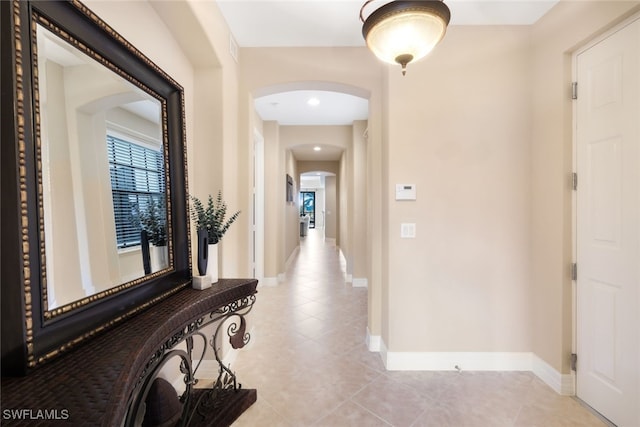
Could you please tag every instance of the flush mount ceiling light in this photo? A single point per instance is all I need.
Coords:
(403, 31)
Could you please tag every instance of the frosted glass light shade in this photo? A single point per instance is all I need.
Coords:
(405, 31)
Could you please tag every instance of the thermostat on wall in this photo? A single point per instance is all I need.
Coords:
(405, 192)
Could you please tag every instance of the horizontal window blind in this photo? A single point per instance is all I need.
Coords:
(137, 177)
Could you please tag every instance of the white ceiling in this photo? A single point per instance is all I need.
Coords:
(262, 23)
(323, 23)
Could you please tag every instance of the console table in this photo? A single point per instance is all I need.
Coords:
(110, 380)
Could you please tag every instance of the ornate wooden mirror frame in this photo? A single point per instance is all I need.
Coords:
(30, 334)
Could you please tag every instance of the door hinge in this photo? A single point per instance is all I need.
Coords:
(574, 90)
(574, 271)
(574, 181)
(574, 362)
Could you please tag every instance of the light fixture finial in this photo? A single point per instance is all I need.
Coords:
(403, 60)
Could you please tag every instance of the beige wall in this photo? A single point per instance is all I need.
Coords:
(459, 128)
(564, 29)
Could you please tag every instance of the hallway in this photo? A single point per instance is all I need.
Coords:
(309, 363)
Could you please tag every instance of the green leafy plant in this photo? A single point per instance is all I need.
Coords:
(212, 217)
(153, 221)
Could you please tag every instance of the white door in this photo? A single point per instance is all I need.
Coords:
(608, 232)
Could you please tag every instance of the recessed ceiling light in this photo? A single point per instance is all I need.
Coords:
(313, 102)
(317, 148)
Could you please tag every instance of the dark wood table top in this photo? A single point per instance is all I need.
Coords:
(92, 384)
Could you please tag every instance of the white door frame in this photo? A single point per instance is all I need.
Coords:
(257, 204)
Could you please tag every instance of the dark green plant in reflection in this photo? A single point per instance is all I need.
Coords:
(153, 220)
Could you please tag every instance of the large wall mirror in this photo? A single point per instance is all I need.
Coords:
(94, 213)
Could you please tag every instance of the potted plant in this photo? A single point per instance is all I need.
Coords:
(211, 221)
(153, 230)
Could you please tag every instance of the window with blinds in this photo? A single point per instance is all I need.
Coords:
(137, 177)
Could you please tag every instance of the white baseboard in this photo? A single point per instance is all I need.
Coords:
(291, 258)
(208, 369)
(451, 361)
(282, 277)
(268, 281)
(348, 277)
(563, 384)
(360, 282)
(373, 341)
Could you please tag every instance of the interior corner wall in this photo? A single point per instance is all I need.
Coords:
(331, 207)
(555, 37)
(274, 201)
(358, 196)
(206, 167)
(378, 177)
(344, 219)
(282, 232)
(204, 36)
(235, 254)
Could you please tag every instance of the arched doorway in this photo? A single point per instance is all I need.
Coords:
(309, 127)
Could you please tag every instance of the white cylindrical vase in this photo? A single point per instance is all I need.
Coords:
(158, 255)
(212, 263)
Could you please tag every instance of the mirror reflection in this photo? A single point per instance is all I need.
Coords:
(103, 175)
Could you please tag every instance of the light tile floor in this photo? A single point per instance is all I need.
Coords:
(308, 361)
